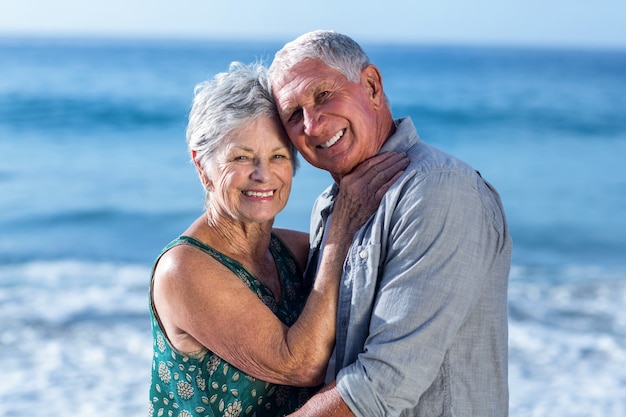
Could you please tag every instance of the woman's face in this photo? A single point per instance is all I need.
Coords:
(252, 173)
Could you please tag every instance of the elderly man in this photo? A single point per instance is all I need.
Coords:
(422, 317)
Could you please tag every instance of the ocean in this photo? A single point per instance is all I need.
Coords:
(95, 179)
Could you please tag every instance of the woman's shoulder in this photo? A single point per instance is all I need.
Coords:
(183, 263)
(297, 242)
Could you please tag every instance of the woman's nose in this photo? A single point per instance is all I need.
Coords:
(260, 171)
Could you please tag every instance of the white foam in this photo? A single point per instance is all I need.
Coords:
(567, 342)
(75, 337)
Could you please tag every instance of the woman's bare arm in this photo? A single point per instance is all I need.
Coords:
(207, 303)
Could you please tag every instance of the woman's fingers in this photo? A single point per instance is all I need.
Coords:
(376, 175)
(362, 190)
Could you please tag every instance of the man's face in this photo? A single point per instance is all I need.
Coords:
(334, 123)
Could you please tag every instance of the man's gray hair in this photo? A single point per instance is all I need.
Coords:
(336, 50)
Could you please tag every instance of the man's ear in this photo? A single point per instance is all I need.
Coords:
(372, 81)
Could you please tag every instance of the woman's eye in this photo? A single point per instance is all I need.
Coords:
(241, 158)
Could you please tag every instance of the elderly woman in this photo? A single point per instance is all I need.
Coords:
(236, 330)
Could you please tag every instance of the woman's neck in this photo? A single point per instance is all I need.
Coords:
(239, 240)
(248, 244)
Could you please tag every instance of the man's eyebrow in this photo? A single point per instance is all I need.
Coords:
(321, 86)
(288, 110)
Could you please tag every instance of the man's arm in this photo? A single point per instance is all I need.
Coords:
(326, 403)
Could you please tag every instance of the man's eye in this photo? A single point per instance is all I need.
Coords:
(295, 117)
(323, 95)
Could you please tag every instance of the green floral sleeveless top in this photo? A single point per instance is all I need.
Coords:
(203, 384)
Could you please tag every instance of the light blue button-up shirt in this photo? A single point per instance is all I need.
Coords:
(422, 323)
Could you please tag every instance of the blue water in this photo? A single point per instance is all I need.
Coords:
(95, 179)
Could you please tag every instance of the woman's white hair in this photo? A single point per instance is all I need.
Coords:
(229, 101)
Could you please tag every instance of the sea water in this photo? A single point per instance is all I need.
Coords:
(95, 179)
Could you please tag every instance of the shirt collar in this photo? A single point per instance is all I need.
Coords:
(403, 138)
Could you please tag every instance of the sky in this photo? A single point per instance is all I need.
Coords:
(569, 23)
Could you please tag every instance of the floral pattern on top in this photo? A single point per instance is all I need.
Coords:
(204, 384)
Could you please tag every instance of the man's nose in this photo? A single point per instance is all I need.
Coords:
(312, 122)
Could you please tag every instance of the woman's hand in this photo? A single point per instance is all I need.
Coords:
(361, 191)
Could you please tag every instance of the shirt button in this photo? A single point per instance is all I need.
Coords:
(363, 254)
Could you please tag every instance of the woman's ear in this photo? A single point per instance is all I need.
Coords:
(206, 183)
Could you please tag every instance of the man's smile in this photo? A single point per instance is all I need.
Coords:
(332, 140)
